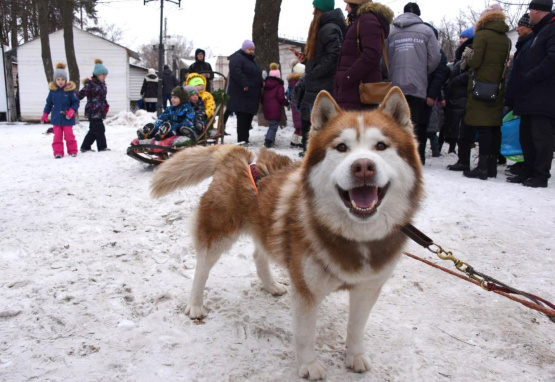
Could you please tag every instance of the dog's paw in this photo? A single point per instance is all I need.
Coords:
(195, 312)
(276, 289)
(313, 371)
(358, 363)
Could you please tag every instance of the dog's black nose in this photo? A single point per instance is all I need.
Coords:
(363, 168)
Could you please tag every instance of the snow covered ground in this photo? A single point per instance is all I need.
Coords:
(94, 277)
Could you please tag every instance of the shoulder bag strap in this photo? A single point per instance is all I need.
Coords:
(384, 50)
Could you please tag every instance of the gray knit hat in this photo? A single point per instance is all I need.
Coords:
(60, 71)
(190, 89)
(541, 5)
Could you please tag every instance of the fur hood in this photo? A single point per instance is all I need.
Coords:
(151, 78)
(377, 9)
(294, 76)
(494, 21)
(70, 86)
(90, 79)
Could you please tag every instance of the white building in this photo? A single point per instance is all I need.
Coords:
(121, 80)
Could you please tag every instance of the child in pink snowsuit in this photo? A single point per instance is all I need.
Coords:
(63, 103)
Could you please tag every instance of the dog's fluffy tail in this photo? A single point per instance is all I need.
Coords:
(191, 166)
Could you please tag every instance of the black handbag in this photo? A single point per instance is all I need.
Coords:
(487, 91)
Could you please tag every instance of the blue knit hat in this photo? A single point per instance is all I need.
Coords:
(468, 33)
(99, 68)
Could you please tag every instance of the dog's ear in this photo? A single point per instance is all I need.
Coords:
(323, 111)
(395, 105)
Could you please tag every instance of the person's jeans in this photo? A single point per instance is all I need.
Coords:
(272, 130)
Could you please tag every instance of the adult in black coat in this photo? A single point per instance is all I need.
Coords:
(202, 66)
(244, 88)
(456, 93)
(149, 90)
(436, 82)
(321, 56)
(169, 82)
(534, 100)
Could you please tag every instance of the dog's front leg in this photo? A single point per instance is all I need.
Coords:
(361, 301)
(305, 311)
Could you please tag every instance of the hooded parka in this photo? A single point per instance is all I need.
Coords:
(320, 70)
(374, 20)
(488, 59)
(273, 98)
(202, 66)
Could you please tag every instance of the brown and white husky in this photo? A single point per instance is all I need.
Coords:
(331, 220)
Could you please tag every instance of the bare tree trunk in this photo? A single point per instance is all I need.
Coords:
(66, 8)
(265, 32)
(44, 40)
(13, 15)
(25, 14)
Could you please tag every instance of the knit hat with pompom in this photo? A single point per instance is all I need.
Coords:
(60, 71)
(274, 70)
(99, 68)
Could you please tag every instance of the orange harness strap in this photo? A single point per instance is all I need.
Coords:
(250, 169)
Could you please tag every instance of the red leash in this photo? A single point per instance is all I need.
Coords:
(483, 280)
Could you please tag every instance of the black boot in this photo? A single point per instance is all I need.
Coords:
(458, 167)
(481, 171)
(492, 166)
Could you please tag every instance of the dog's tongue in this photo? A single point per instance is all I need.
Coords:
(364, 197)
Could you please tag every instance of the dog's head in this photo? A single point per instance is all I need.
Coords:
(362, 171)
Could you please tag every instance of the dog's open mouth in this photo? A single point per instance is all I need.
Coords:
(363, 201)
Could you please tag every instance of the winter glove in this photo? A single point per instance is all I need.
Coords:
(106, 108)
(70, 113)
(44, 118)
(467, 53)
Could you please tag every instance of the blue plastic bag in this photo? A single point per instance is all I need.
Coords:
(510, 138)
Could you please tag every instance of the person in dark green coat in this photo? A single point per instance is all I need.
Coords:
(488, 61)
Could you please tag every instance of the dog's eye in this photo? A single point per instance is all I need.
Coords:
(342, 147)
(381, 146)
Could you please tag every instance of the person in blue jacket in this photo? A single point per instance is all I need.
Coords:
(63, 103)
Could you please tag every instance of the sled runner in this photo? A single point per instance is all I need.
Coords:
(155, 152)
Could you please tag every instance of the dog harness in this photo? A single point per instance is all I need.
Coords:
(254, 175)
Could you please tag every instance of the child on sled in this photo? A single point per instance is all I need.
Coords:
(198, 106)
(63, 103)
(199, 81)
(178, 119)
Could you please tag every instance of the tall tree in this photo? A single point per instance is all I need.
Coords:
(265, 31)
(45, 41)
(20, 18)
(66, 8)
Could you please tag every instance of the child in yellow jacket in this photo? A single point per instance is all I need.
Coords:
(198, 81)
